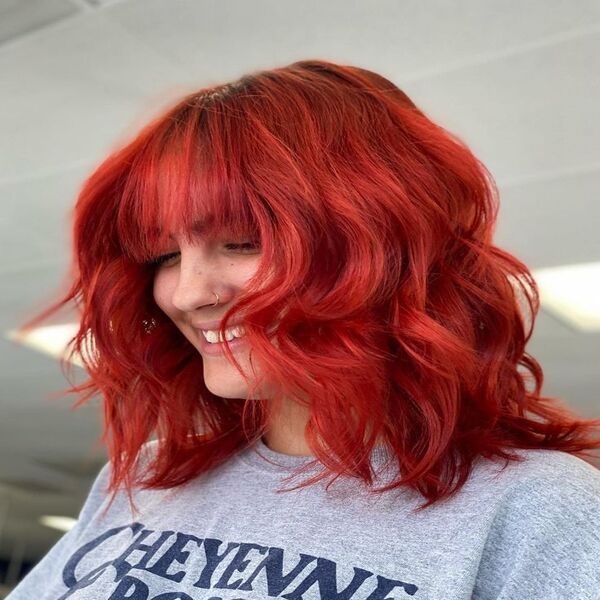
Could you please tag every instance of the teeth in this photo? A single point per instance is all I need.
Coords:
(214, 337)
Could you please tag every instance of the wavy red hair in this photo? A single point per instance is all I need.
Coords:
(400, 319)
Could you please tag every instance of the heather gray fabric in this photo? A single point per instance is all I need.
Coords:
(530, 532)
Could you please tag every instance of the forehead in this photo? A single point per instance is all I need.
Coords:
(198, 227)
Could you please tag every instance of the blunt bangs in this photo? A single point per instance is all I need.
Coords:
(182, 183)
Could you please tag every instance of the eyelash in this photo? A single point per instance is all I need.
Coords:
(159, 260)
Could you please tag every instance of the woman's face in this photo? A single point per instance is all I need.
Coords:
(183, 289)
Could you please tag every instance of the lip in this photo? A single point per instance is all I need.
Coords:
(214, 325)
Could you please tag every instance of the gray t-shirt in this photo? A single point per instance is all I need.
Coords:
(531, 532)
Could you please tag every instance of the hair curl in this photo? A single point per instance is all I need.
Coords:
(399, 316)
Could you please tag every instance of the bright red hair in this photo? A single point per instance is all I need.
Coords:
(399, 316)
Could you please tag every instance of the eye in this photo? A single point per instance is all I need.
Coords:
(247, 245)
(166, 259)
(162, 259)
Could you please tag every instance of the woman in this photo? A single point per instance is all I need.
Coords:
(348, 240)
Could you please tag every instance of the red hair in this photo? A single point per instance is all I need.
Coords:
(400, 319)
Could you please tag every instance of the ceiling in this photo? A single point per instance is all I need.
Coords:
(517, 81)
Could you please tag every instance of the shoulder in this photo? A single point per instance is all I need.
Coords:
(552, 474)
(536, 468)
(148, 451)
(551, 497)
(145, 456)
(544, 538)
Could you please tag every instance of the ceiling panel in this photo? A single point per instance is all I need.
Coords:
(21, 17)
(533, 114)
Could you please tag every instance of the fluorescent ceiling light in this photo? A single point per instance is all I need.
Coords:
(572, 293)
(50, 339)
(57, 522)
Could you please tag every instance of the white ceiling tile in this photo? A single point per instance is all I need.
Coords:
(43, 206)
(407, 39)
(20, 17)
(551, 222)
(527, 114)
(28, 289)
(77, 88)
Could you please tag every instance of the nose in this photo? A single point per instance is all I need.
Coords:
(195, 285)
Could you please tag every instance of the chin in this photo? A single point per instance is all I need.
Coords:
(226, 389)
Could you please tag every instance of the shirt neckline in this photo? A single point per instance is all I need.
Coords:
(262, 458)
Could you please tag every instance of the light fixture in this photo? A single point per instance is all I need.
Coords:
(58, 522)
(50, 339)
(572, 293)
